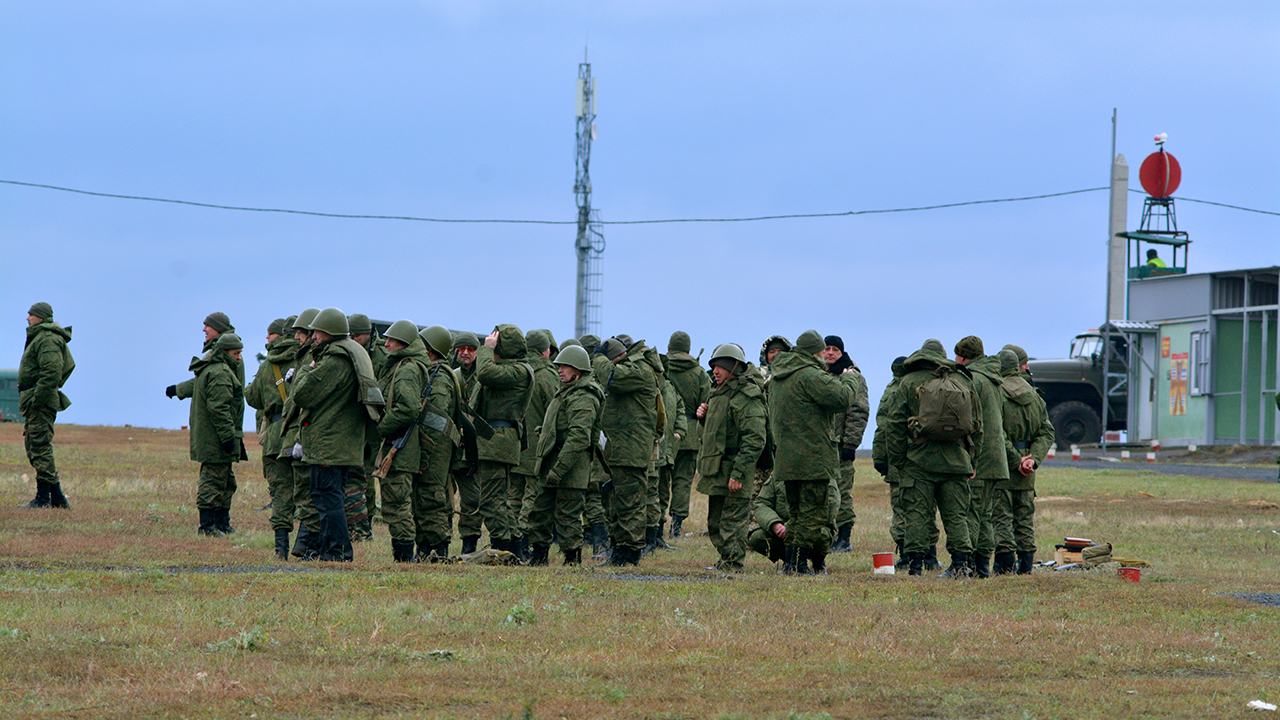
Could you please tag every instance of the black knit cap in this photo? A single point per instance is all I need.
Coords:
(834, 341)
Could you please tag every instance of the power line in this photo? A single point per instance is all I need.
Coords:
(795, 216)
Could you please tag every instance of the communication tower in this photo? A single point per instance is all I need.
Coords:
(590, 241)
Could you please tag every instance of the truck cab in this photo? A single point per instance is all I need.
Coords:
(1073, 388)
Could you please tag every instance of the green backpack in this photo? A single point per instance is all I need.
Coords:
(946, 409)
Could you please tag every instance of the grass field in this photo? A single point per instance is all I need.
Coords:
(116, 608)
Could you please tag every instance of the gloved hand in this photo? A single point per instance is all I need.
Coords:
(227, 446)
(848, 454)
(882, 468)
(288, 377)
(171, 391)
(297, 451)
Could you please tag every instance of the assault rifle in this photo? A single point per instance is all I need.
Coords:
(428, 416)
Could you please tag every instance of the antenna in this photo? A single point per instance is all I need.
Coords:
(590, 241)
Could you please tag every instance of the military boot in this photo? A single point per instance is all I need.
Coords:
(789, 560)
(931, 559)
(440, 552)
(915, 563)
(599, 540)
(662, 534)
(623, 557)
(573, 556)
(401, 551)
(538, 554)
(842, 544)
(802, 562)
(1005, 563)
(677, 523)
(304, 545)
(223, 521)
(41, 499)
(959, 569)
(819, 562)
(650, 540)
(520, 546)
(469, 544)
(1025, 561)
(981, 565)
(904, 562)
(282, 544)
(56, 498)
(208, 523)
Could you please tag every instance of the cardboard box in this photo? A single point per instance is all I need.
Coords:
(1064, 557)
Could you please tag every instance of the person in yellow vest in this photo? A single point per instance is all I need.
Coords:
(1153, 259)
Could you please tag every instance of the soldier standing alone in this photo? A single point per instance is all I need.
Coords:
(217, 431)
(46, 365)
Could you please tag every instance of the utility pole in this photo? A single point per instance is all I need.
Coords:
(590, 241)
(1117, 244)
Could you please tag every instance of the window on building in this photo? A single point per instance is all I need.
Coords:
(1199, 361)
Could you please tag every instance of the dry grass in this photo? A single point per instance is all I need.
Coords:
(95, 622)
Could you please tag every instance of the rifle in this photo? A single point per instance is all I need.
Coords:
(425, 410)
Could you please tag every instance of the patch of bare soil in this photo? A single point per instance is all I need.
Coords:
(1258, 455)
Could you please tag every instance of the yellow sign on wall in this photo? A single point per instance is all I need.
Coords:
(1178, 384)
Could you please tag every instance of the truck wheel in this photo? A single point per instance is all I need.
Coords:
(1075, 423)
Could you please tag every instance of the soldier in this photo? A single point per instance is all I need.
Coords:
(464, 465)
(566, 445)
(401, 381)
(524, 478)
(770, 510)
(1028, 437)
(630, 427)
(991, 464)
(848, 428)
(439, 436)
(932, 454)
(595, 517)
(675, 426)
(802, 399)
(733, 437)
(215, 324)
(362, 488)
(764, 469)
(267, 394)
(291, 434)
(333, 397)
(217, 431)
(505, 383)
(46, 365)
(694, 387)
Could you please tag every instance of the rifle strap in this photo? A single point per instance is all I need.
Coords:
(279, 381)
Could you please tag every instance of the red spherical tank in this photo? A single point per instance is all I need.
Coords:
(1160, 174)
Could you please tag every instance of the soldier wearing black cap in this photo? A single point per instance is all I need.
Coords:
(848, 428)
(46, 364)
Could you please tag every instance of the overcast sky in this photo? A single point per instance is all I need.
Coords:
(708, 109)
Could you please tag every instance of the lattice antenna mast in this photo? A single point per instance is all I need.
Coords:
(590, 241)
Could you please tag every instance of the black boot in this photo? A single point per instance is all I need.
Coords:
(789, 560)
(599, 540)
(931, 559)
(915, 563)
(802, 562)
(1005, 563)
(573, 556)
(208, 523)
(520, 546)
(223, 521)
(538, 554)
(819, 562)
(282, 544)
(42, 496)
(401, 551)
(1025, 561)
(662, 534)
(981, 565)
(650, 540)
(904, 562)
(56, 498)
(469, 545)
(959, 569)
(677, 523)
(304, 545)
(623, 557)
(842, 544)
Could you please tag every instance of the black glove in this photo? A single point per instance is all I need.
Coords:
(228, 446)
(882, 468)
(171, 391)
(848, 454)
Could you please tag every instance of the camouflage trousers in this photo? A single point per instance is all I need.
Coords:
(279, 475)
(594, 510)
(653, 498)
(846, 516)
(359, 527)
(469, 522)
(432, 508)
(217, 485)
(898, 526)
(682, 473)
(767, 544)
(727, 518)
(812, 525)
(926, 494)
(397, 506)
(521, 492)
(557, 509)
(627, 506)
(495, 513)
(37, 438)
(302, 505)
(981, 493)
(1013, 516)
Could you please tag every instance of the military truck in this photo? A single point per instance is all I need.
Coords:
(9, 396)
(1073, 388)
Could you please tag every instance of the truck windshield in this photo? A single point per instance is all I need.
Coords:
(1086, 346)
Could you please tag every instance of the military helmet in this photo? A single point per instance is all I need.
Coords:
(359, 324)
(729, 355)
(438, 338)
(403, 330)
(571, 342)
(304, 318)
(331, 321)
(575, 357)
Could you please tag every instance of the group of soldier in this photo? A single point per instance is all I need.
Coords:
(596, 442)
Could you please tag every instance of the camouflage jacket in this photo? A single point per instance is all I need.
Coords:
(546, 383)
(990, 463)
(733, 435)
(901, 448)
(802, 398)
(46, 364)
(631, 407)
(694, 387)
(264, 393)
(1027, 430)
(567, 435)
(850, 425)
(217, 409)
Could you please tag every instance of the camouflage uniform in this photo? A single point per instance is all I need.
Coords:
(267, 394)
(46, 365)
(217, 435)
(990, 465)
(631, 428)
(566, 445)
(401, 380)
(361, 488)
(848, 428)
(464, 461)
(505, 383)
(290, 438)
(694, 387)
(1028, 433)
(733, 436)
(660, 472)
(879, 459)
(524, 480)
(770, 508)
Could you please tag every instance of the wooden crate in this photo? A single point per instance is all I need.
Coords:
(1062, 557)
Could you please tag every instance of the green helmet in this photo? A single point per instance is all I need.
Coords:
(403, 330)
(303, 321)
(358, 324)
(729, 355)
(438, 338)
(575, 357)
(331, 321)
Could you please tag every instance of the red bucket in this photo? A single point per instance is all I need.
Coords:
(1131, 574)
(882, 563)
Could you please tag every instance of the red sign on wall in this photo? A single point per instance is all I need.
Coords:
(1164, 347)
